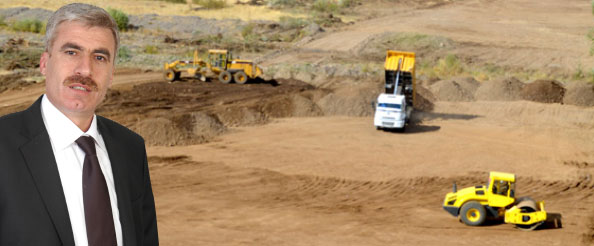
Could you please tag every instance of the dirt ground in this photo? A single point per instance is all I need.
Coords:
(281, 162)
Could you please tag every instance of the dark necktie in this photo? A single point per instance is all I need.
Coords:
(98, 216)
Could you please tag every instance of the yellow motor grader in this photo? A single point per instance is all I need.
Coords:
(497, 199)
(220, 63)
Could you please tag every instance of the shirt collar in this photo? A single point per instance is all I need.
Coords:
(62, 131)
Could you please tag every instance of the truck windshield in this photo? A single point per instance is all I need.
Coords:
(389, 105)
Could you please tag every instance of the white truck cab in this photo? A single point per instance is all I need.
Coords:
(391, 111)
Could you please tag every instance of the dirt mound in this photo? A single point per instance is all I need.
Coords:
(544, 91)
(349, 100)
(205, 126)
(159, 131)
(193, 128)
(192, 112)
(291, 105)
(242, 116)
(580, 94)
(502, 89)
(460, 89)
(424, 99)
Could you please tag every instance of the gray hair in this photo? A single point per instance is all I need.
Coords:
(89, 15)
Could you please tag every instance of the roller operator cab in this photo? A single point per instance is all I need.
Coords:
(496, 199)
(391, 111)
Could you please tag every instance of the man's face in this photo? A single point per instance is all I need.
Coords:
(78, 68)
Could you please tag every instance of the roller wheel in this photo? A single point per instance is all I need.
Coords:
(225, 77)
(529, 227)
(527, 205)
(171, 75)
(473, 214)
(240, 77)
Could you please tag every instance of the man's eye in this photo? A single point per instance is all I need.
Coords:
(70, 52)
(100, 58)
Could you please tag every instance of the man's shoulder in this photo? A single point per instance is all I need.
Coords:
(11, 121)
(116, 129)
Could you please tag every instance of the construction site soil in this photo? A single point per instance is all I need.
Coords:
(287, 162)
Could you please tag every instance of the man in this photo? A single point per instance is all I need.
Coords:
(67, 176)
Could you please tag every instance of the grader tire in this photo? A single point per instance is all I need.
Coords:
(225, 77)
(171, 75)
(473, 214)
(240, 77)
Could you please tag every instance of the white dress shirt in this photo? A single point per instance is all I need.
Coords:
(69, 157)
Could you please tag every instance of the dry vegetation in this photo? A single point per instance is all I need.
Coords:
(138, 7)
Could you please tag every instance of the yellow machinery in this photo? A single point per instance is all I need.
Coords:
(473, 204)
(220, 63)
(400, 74)
(395, 106)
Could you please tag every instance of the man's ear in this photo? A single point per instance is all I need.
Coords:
(43, 62)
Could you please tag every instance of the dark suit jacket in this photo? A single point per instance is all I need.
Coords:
(32, 205)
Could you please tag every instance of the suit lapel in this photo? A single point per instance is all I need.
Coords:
(39, 156)
(117, 157)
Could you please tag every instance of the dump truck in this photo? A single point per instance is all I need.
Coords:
(496, 199)
(394, 106)
(220, 64)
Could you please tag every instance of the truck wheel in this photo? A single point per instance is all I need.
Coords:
(240, 77)
(225, 77)
(171, 75)
(473, 213)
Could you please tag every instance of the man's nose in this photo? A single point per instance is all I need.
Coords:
(84, 66)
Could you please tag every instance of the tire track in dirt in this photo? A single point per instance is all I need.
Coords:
(358, 205)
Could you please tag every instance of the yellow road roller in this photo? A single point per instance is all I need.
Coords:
(474, 204)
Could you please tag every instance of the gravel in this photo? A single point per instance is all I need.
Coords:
(182, 26)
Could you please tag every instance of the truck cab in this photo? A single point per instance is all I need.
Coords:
(390, 111)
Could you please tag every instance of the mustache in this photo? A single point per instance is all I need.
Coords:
(84, 80)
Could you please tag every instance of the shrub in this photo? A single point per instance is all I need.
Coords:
(120, 18)
(449, 66)
(124, 54)
(346, 3)
(151, 49)
(35, 26)
(211, 4)
(291, 22)
(326, 6)
(172, 1)
(580, 74)
(250, 38)
(282, 3)
(248, 30)
(590, 36)
(2, 23)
